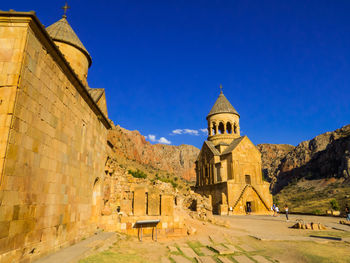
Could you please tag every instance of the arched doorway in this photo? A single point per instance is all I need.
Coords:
(96, 199)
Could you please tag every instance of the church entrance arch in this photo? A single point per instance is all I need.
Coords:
(96, 199)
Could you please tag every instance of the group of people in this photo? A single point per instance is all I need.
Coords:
(276, 210)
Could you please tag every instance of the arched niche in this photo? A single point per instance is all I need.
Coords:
(221, 128)
(228, 127)
(213, 129)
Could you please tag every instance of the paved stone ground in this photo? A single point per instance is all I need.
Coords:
(260, 259)
(165, 260)
(196, 248)
(81, 249)
(243, 259)
(180, 259)
(188, 252)
(271, 228)
(241, 253)
(207, 252)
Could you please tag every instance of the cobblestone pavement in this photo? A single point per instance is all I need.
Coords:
(216, 249)
(73, 253)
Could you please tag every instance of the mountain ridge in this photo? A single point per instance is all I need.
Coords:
(132, 145)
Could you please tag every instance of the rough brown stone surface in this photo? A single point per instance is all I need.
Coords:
(178, 160)
(271, 157)
(325, 156)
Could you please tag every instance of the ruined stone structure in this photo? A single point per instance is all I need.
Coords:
(145, 203)
(53, 133)
(228, 166)
(127, 199)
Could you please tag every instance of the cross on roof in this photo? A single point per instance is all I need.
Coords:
(65, 8)
(220, 88)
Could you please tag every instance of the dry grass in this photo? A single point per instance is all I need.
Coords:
(301, 251)
(314, 196)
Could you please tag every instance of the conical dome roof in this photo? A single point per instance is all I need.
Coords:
(222, 105)
(61, 31)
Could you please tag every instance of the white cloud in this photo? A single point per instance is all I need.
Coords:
(204, 130)
(164, 141)
(189, 131)
(153, 138)
(177, 131)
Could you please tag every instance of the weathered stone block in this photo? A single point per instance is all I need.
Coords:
(140, 201)
(126, 206)
(4, 229)
(167, 205)
(223, 209)
(153, 203)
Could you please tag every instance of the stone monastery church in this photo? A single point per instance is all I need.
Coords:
(228, 166)
(53, 138)
(56, 186)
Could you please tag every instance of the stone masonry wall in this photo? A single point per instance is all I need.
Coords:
(12, 41)
(50, 188)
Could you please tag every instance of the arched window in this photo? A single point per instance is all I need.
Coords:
(235, 128)
(228, 128)
(221, 128)
(213, 130)
(247, 179)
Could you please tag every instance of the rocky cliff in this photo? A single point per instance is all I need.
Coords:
(271, 156)
(326, 156)
(177, 160)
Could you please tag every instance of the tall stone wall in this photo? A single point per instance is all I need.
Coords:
(12, 42)
(54, 157)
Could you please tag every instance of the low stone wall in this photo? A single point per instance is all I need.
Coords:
(146, 204)
(167, 227)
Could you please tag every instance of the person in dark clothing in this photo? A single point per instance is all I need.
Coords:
(249, 208)
(347, 212)
(286, 210)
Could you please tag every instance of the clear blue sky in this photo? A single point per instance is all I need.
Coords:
(284, 65)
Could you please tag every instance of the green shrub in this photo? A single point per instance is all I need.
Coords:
(138, 174)
(168, 180)
(317, 212)
(334, 205)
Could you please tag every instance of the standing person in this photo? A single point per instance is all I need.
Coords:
(286, 210)
(273, 208)
(277, 210)
(249, 209)
(347, 212)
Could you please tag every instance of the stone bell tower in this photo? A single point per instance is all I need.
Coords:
(223, 122)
